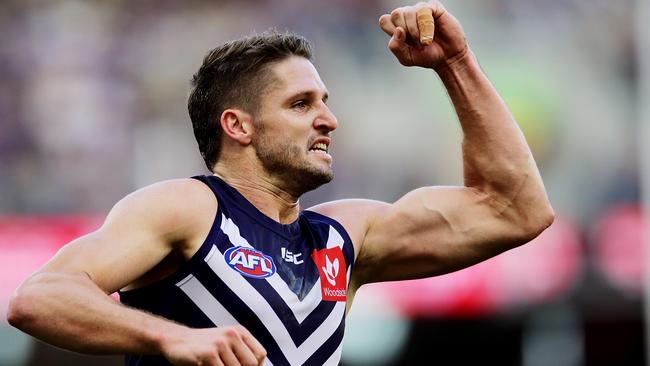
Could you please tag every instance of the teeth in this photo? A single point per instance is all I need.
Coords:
(319, 146)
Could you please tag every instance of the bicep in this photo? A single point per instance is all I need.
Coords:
(138, 233)
(431, 231)
(107, 258)
(120, 251)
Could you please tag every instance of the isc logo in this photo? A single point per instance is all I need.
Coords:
(250, 262)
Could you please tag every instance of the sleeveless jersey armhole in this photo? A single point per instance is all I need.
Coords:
(348, 250)
(185, 268)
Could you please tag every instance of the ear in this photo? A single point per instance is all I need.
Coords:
(237, 125)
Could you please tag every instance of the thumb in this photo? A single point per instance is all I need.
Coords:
(398, 46)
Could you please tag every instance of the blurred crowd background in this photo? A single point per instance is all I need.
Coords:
(93, 106)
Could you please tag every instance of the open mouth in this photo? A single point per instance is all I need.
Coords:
(319, 146)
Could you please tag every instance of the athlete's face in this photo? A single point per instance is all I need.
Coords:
(293, 127)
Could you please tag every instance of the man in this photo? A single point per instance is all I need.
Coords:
(227, 270)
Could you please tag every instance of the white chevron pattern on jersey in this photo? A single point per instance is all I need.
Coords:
(221, 317)
(208, 304)
(217, 313)
(301, 309)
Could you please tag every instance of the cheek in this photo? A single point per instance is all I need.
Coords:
(290, 138)
(280, 145)
(286, 130)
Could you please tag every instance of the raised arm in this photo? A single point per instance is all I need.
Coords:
(434, 230)
(67, 303)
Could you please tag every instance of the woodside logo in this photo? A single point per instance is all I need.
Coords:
(333, 274)
(250, 262)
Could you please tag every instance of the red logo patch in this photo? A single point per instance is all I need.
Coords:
(333, 273)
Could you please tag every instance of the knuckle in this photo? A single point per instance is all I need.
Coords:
(207, 358)
(231, 333)
(239, 328)
(220, 343)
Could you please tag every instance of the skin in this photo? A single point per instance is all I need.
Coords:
(429, 231)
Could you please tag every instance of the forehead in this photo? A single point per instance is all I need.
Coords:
(296, 74)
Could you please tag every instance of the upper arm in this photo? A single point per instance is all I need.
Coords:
(140, 230)
(429, 231)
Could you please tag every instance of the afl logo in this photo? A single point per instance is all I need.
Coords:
(250, 262)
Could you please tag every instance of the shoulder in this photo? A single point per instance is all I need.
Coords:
(177, 194)
(355, 208)
(176, 207)
(355, 215)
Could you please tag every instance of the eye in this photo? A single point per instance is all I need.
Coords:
(299, 105)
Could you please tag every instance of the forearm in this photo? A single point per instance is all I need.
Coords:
(496, 156)
(69, 311)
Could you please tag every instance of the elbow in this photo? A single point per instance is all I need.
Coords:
(25, 302)
(537, 221)
(18, 311)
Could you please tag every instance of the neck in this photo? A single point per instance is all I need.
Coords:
(266, 195)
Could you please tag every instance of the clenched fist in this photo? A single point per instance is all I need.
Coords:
(449, 43)
(223, 346)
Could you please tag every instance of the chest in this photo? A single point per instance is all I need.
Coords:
(312, 267)
(290, 292)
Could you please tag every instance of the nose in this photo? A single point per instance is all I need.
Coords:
(325, 119)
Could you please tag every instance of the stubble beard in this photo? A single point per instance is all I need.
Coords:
(286, 163)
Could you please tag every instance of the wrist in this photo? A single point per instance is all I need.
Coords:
(461, 60)
(460, 70)
(164, 338)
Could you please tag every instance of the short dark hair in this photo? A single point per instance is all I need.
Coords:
(235, 75)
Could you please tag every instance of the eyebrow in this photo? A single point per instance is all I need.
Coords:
(308, 94)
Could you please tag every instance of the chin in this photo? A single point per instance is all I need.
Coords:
(309, 179)
(316, 179)
(297, 175)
